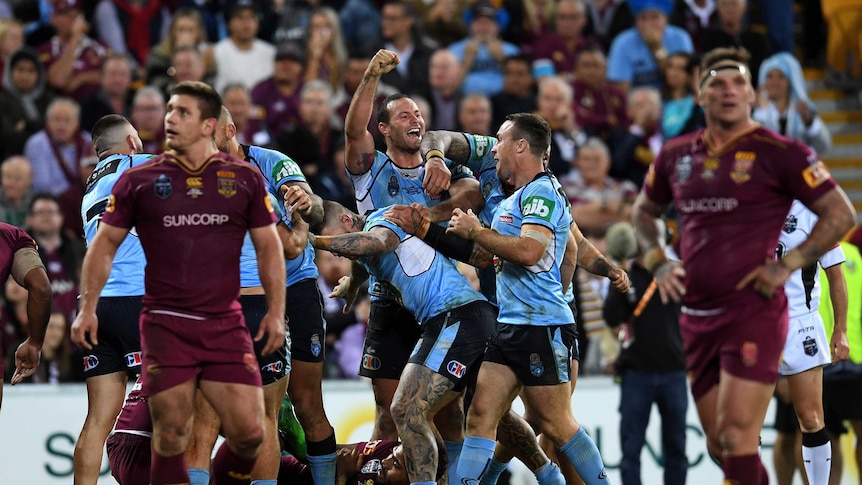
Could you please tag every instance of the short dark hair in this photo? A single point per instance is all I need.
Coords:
(517, 58)
(736, 54)
(383, 107)
(102, 139)
(534, 129)
(332, 211)
(209, 101)
(44, 196)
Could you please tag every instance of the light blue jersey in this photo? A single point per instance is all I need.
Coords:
(249, 277)
(127, 271)
(533, 295)
(278, 169)
(425, 282)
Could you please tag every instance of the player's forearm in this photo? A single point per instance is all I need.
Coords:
(361, 107)
(95, 271)
(353, 245)
(838, 296)
(271, 270)
(645, 218)
(293, 240)
(314, 215)
(516, 249)
(836, 217)
(453, 246)
(451, 144)
(569, 263)
(38, 305)
(464, 194)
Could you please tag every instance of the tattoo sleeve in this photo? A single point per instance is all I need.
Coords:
(359, 244)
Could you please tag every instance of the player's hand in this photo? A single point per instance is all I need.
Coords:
(273, 326)
(668, 277)
(382, 62)
(348, 461)
(839, 346)
(297, 199)
(766, 278)
(26, 361)
(345, 290)
(437, 176)
(412, 218)
(461, 223)
(85, 324)
(619, 279)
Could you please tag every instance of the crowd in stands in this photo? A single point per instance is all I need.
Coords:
(614, 79)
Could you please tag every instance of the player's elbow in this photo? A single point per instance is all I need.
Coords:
(530, 254)
(38, 286)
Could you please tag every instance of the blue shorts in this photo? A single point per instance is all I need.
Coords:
(119, 347)
(304, 312)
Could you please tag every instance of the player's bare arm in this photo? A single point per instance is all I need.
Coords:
(668, 274)
(569, 263)
(525, 249)
(38, 287)
(464, 194)
(592, 260)
(838, 344)
(414, 219)
(377, 241)
(303, 200)
(270, 267)
(293, 240)
(348, 286)
(94, 275)
(359, 144)
(434, 147)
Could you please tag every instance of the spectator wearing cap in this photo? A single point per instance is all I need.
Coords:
(275, 100)
(115, 94)
(481, 54)
(401, 35)
(132, 27)
(637, 55)
(23, 101)
(558, 48)
(242, 57)
(72, 60)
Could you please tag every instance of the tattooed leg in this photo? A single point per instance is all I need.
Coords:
(519, 440)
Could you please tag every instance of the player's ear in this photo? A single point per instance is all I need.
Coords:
(231, 131)
(383, 127)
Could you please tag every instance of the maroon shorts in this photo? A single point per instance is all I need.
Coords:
(176, 349)
(745, 341)
(129, 456)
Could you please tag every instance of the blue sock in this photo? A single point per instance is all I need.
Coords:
(584, 456)
(550, 474)
(476, 456)
(494, 470)
(322, 468)
(199, 476)
(264, 482)
(453, 452)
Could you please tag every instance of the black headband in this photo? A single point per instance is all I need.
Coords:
(724, 66)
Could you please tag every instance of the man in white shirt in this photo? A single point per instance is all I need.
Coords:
(242, 57)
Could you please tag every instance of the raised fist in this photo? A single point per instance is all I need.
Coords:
(382, 62)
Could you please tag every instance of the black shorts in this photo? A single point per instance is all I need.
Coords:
(304, 311)
(129, 456)
(119, 348)
(842, 396)
(785, 417)
(389, 339)
(277, 364)
(539, 356)
(453, 343)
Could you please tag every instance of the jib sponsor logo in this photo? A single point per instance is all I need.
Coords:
(539, 207)
(286, 168)
(276, 367)
(133, 359)
(90, 362)
(195, 220)
(456, 368)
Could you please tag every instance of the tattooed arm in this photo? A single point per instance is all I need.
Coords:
(452, 144)
(592, 260)
(377, 241)
(359, 144)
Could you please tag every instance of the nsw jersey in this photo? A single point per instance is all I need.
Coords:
(249, 277)
(279, 169)
(532, 295)
(426, 282)
(803, 286)
(127, 271)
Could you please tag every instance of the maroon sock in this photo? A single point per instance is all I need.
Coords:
(743, 470)
(166, 470)
(230, 468)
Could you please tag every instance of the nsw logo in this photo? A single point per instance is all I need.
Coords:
(456, 368)
(538, 207)
(133, 359)
(90, 362)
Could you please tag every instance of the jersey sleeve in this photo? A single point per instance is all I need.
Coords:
(804, 175)
(286, 170)
(540, 205)
(657, 182)
(260, 210)
(832, 257)
(376, 219)
(481, 158)
(119, 211)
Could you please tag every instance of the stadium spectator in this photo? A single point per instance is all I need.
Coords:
(843, 48)
(482, 52)
(555, 106)
(561, 45)
(361, 22)
(242, 57)
(474, 114)
(114, 95)
(445, 76)
(16, 182)
(186, 29)
(23, 101)
(11, 39)
(325, 48)
(518, 94)
(607, 19)
(312, 142)
(530, 20)
(237, 99)
(600, 107)
(56, 364)
(443, 22)
(277, 99)
(731, 30)
(401, 35)
(694, 16)
(638, 54)
(148, 117)
(187, 65)
(635, 147)
(132, 28)
(680, 112)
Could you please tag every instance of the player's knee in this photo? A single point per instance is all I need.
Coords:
(810, 420)
(170, 439)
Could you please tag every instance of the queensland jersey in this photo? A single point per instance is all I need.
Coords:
(13, 238)
(803, 286)
(426, 282)
(732, 202)
(191, 223)
(127, 271)
(532, 295)
(279, 169)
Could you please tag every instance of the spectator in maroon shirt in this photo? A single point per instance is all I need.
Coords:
(561, 45)
(277, 99)
(600, 107)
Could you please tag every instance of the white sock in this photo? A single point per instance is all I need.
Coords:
(817, 457)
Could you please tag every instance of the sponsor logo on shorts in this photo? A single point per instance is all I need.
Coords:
(163, 187)
(749, 353)
(538, 207)
(133, 359)
(315, 345)
(90, 362)
(456, 368)
(276, 367)
(250, 362)
(370, 362)
(180, 220)
(537, 368)
(809, 345)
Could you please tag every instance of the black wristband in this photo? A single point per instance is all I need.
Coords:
(448, 245)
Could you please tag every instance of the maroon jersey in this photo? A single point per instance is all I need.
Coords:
(732, 202)
(593, 107)
(13, 238)
(191, 224)
(135, 415)
(89, 56)
(373, 453)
